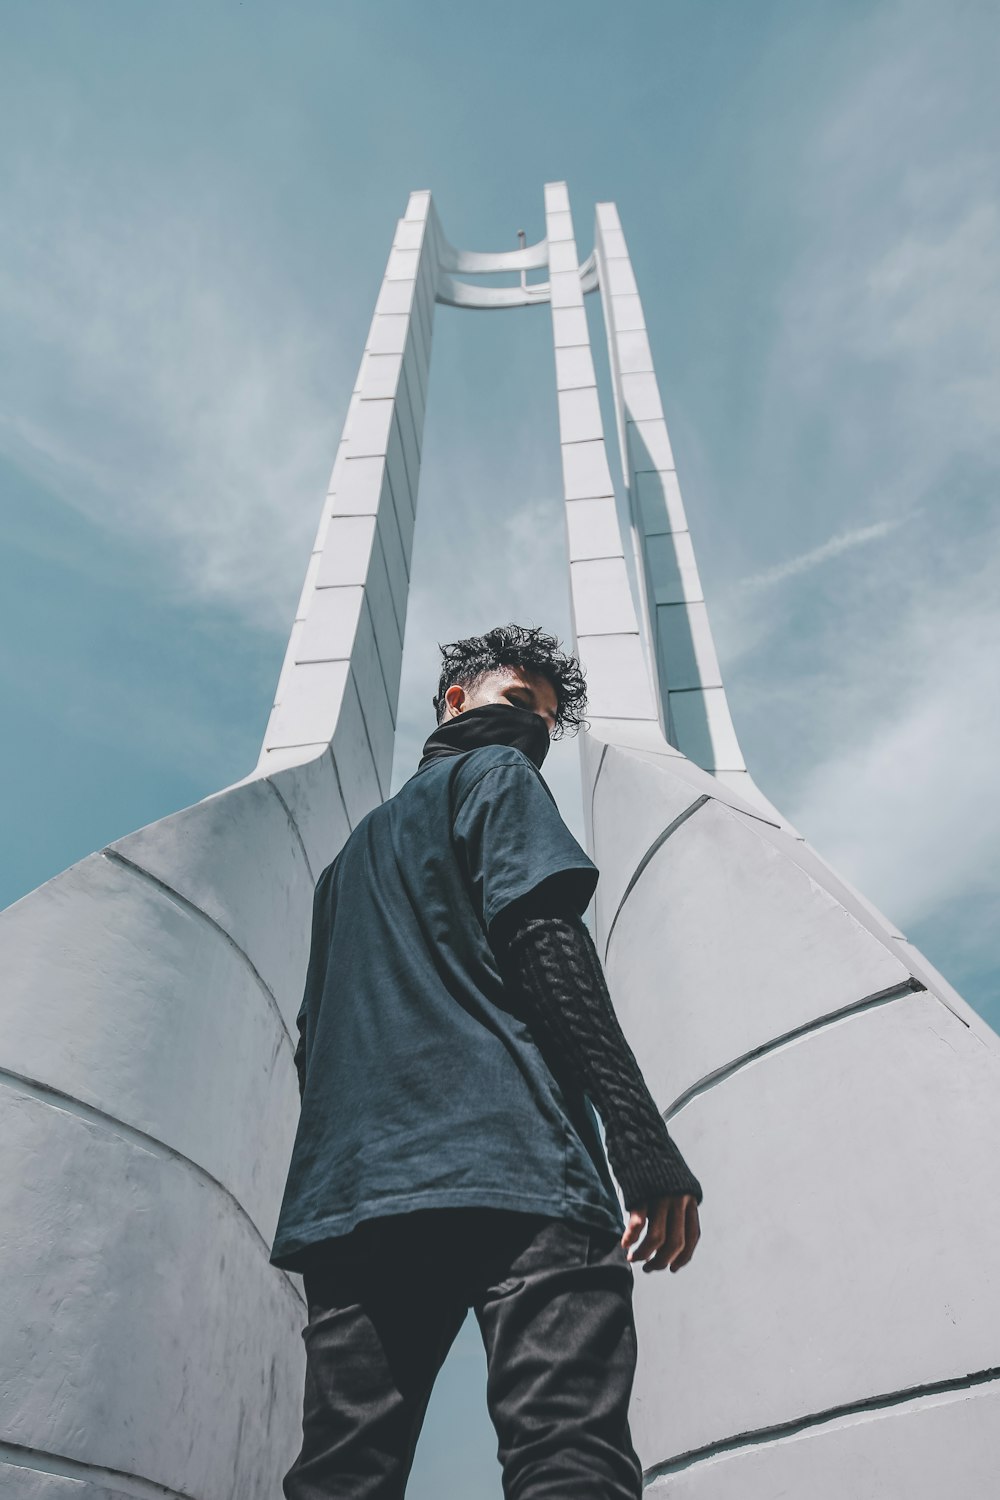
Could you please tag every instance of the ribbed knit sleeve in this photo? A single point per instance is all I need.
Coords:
(553, 964)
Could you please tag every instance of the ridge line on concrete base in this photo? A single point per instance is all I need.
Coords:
(15, 1456)
(55, 1098)
(293, 825)
(167, 890)
(658, 842)
(899, 991)
(782, 1430)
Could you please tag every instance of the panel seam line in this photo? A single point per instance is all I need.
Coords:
(57, 1098)
(780, 1430)
(657, 843)
(899, 991)
(293, 824)
(60, 1466)
(115, 857)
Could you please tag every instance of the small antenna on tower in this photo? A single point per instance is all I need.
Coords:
(522, 240)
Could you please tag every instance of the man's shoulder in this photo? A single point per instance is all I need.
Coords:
(478, 763)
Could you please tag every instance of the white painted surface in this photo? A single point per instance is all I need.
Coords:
(926, 1449)
(850, 1240)
(151, 1017)
(748, 947)
(141, 1327)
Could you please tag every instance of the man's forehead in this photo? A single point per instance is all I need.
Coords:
(537, 681)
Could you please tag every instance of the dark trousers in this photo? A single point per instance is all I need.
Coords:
(553, 1300)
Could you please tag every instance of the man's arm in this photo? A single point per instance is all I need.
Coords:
(546, 953)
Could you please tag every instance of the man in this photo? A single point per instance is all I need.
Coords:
(456, 1034)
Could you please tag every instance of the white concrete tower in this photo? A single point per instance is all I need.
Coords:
(838, 1332)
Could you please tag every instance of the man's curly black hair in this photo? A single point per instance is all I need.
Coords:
(527, 646)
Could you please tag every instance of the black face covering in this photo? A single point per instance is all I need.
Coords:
(489, 724)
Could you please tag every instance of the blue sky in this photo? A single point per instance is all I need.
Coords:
(198, 203)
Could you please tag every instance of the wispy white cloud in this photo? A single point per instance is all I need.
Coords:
(163, 381)
(806, 561)
(902, 801)
(874, 694)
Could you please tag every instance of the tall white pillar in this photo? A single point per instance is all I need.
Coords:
(148, 1097)
(838, 1330)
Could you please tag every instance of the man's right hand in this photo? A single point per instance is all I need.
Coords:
(672, 1231)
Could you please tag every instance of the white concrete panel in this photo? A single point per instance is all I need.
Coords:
(562, 256)
(308, 584)
(641, 397)
(402, 265)
(340, 457)
(415, 377)
(358, 490)
(569, 326)
(627, 314)
(649, 447)
(368, 429)
(686, 647)
(634, 354)
(616, 676)
(388, 335)
(580, 416)
(146, 1012)
(559, 226)
(409, 235)
(925, 971)
(347, 551)
(747, 947)
(352, 755)
(586, 475)
(378, 377)
(402, 494)
(672, 762)
(659, 502)
(593, 530)
(310, 703)
(331, 624)
(418, 205)
(235, 857)
(411, 401)
(411, 445)
(816, 867)
(633, 803)
(395, 297)
(602, 599)
(924, 1449)
(313, 797)
(368, 679)
(395, 563)
(853, 1170)
(383, 617)
(614, 243)
(564, 289)
(141, 1328)
(19, 1482)
(703, 728)
(574, 367)
(556, 197)
(672, 568)
(618, 278)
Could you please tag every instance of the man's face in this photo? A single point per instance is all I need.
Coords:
(513, 685)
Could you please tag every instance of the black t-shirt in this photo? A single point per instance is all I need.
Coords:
(423, 1088)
